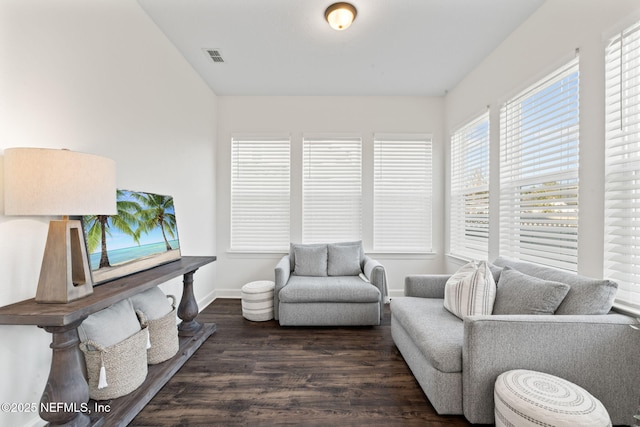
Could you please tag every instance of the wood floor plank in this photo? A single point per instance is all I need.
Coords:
(262, 374)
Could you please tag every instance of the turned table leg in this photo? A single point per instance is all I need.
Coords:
(188, 308)
(66, 394)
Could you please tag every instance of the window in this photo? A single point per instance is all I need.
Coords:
(622, 177)
(331, 189)
(402, 193)
(539, 172)
(260, 194)
(469, 220)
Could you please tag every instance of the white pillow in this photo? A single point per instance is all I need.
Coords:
(152, 302)
(471, 290)
(111, 325)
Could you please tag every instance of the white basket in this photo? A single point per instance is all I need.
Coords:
(116, 370)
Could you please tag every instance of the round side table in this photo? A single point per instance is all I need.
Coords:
(257, 300)
(527, 398)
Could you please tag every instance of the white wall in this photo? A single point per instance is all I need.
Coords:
(545, 41)
(298, 115)
(98, 77)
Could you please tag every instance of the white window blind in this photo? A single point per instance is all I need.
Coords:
(539, 172)
(332, 189)
(622, 177)
(260, 194)
(469, 219)
(402, 193)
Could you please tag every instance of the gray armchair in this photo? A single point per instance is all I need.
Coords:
(329, 285)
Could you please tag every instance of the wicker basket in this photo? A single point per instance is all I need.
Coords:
(163, 336)
(116, 370)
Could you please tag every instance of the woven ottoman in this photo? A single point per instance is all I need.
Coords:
(257, 300)
(528, 398)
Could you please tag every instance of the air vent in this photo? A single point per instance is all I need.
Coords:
(215, 55)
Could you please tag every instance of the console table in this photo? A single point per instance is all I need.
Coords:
(65, 400)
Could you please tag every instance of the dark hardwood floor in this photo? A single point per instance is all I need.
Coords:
(262, 374)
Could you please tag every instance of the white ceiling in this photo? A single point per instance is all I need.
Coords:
(285, 47)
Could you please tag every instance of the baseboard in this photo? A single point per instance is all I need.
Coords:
(206, 300)
(228, 293)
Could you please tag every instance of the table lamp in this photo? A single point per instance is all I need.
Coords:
(40, 181)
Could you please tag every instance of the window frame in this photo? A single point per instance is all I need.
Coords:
(539, 171)
(395, 196)
(469, 200)
(622, 166)
(331, 173)
(267, 191)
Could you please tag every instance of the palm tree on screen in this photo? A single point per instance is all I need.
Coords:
(156, 211)
(99, 226)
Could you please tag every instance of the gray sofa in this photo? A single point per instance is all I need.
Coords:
(329, 285)
(456, 362)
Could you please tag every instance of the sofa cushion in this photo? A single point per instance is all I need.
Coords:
(519, 293)
(586, 295)
(310, 260)
(343, 259)
(471, 290)
(436, 332)
(496, 271)
(328, 289)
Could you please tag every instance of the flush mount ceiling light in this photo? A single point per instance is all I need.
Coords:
(340, 15)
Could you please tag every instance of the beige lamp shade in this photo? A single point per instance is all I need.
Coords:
(41, 181)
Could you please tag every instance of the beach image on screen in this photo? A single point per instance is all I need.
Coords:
(142, 235)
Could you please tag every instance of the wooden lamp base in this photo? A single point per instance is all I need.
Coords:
(65, 275)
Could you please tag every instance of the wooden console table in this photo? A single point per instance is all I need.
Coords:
(65, 400)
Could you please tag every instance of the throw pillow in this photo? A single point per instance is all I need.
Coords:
(111, 325)
(471, 290)
(153, 303)
(292, 251)
(343, 259)
(357, 243)
(586, 295)
(310, 260)
(496, 271)
(519, 293)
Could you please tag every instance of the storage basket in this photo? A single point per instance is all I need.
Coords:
(163, 336)
(116, 370)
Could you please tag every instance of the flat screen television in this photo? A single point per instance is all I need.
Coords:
(143, 234)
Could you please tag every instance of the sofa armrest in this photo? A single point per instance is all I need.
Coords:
(600, 353)
(282, 273)
(375, 273)
(425, 285)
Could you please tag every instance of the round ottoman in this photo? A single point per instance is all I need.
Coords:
(529, 398)
(257, 300)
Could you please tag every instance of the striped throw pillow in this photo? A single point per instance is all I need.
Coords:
(471, 290)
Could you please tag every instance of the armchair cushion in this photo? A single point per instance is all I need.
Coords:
(292, 246)
(301, 289)
(310, 260)
(344, 259)
(519, 293)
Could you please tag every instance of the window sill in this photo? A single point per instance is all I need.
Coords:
(401, 255)
(256, 254)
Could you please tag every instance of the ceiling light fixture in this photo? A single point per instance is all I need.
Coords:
(340, 15)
